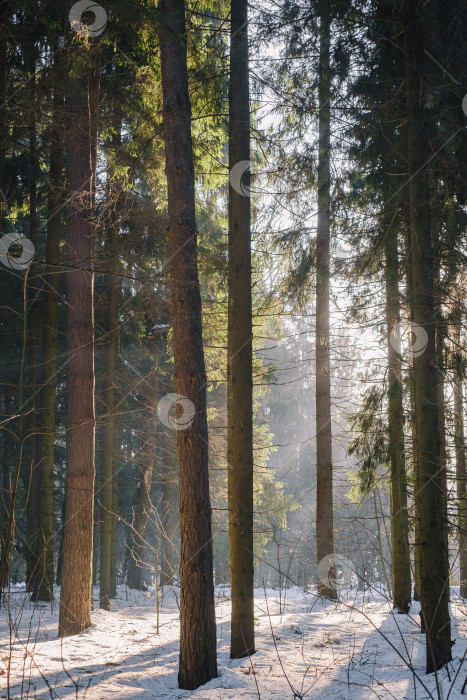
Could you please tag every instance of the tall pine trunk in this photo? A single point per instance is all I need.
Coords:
(324, 504)
(76, 578)
(43, 580)
(30, 465)
(114, 537)
(431, 492)
(5, 501)
(198, 662)
(459, 446)
(409, 302)
(401, 580)
(109, 457)
(239, 349)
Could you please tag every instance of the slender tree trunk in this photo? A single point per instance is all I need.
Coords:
(108, 462)
(409, 283)
(7, 457)
(114, 538)
(29, 466)
(440, 332)
(4, 34)
(400, 552)
(6, 466)
(431, 493)
(324, 504)
(43, 585)
(401, 581)
(75, 599)
(198, 663)
(240, 334)
(461, 472)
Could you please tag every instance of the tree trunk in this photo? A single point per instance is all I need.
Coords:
(114, 538)
(430, 495)
(401, 581)
(5, 503)
(6, 465)
(198, 663)
(324, 505)
(459, 446)
(240, 334)
(108, 466)
(29, 466)
(4, 118)
(440, 332)
(43, 588)
(75, 599)
(409, 283)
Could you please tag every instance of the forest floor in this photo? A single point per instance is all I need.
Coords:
(356, 649)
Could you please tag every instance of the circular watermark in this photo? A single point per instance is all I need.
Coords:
(336, 571)
(235, 176)
(167, 411)
(409, 338)
(16, 262)
(464, 104)
(83, 28)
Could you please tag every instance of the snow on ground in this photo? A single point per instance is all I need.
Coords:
(357, 649)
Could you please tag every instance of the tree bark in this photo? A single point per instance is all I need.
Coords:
(239, 350)
(29, 467)
(430, 495)
(324, 504)
(461, 472)
(198, 663)
(108, 462)
(114, 538)
(401, 580)
(409, 283)
(5, 503)
(43, 585)
(75, 599)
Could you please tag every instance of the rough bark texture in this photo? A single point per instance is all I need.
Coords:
(114, 538)
(401, 580)
(46, 418)
(29, 466)
(430, 495)
(461, 472)
(4, 35)
(324, 505)
(108, 466)
(5, 501)
(409, 281)
(239, 352)
(6, 441)
(198, 662)
(75, 599)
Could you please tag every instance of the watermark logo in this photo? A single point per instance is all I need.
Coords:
(464, 104)
(83, 28)
(16, 262)
(167, 411)
(409, 338)
(235, 176)
(336, 571)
